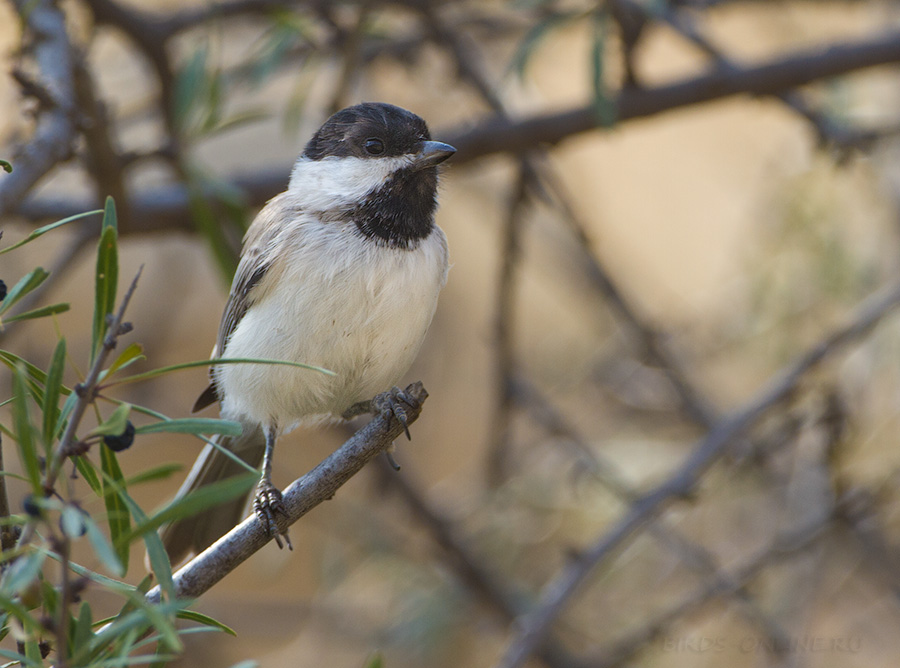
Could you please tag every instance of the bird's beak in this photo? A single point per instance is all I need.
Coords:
(432, 153)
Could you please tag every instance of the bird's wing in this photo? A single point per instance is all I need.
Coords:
(260, 243)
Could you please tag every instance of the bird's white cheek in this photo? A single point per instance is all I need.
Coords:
(321, 185)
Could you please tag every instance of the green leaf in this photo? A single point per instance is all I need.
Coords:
(24, 430)
(118, 518)
(107, 275)
(102, 548)
(83, 631)
(36, 378)
(205, 620)
(156, 473)
(156, 552)
(86, 469)
(115, 424)
(200, 499)
(41, 312)
(193, 426)
(189, 80)
(133, 353)
(25, 285)
(208, 224)
(10, 605)
(535, 36)
(214, 362)
(375, 661)
(33, 653)
(23, 572)
(604, 104)
(7, 166)
(52, 391)
(71, 521)
(46, 228)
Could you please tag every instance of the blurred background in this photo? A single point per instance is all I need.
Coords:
(656, 208)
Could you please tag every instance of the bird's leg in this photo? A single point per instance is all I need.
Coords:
(268, 501)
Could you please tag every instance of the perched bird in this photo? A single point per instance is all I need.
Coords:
(340, 271)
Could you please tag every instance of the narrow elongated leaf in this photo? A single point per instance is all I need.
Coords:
(102, 548)
(156, 552)
(188, 81)
(115, 424)
(71, 521)
(52, 226)
(106, 275)
(205, 620)
(7, 166)
(81, 636)
(193, 426)
(41, 312)
(24, 431)
(133, 353)
(24, 285)
(24, 571)
(52, 391)
(604, 105)
(156, 473)
(13, 607)
(198, 500)
(66, 411)
(532, 39)
(118, 517)
(216, 362)
(86, 469)
(35, 377)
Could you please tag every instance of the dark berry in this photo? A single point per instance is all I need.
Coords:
(2, 291)
(121, 442)
(31, 507)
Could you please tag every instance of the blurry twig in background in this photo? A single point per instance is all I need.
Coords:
(54, 133)
(556, 594)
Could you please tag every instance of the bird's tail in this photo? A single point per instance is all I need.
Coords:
(194, 534)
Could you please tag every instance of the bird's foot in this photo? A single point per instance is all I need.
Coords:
(268, 503)
(391, 404)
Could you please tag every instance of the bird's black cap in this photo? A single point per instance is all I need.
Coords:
(369, 130)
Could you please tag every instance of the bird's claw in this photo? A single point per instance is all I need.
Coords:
(390, 403)
(267, 503)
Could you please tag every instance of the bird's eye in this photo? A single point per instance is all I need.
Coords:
(374, 146)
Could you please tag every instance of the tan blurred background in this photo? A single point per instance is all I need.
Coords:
(724, 224)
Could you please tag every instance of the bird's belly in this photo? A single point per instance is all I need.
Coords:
(365, 324)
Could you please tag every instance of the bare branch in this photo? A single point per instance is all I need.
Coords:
(52, 138)
(534, 626)
(304, 494)
(781, 74)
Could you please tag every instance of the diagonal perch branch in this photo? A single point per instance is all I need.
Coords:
(304, 494)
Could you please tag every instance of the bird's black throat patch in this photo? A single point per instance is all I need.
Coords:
(401, 212)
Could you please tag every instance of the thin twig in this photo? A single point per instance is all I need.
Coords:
(504, 326)
(86, 390)
(487, 585)
(556, 594)
(52, 138)
(304, 494)
(724, 584)
(168, 207)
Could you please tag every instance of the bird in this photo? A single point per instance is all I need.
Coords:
(341, 271)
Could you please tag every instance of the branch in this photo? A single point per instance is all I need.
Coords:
(534, 626)
(501, 135)
(167, 207)
(304, 494)
(51, 142)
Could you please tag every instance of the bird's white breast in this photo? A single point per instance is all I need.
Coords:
(334, 299)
